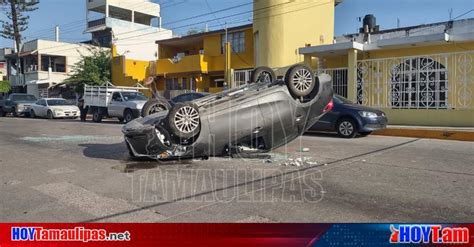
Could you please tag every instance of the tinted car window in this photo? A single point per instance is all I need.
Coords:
(54, 102)
(25, 97)
(116, 97)
(133, 96)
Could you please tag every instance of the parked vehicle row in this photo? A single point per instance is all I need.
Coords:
(128, 103)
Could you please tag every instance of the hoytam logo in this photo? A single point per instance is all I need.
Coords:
(435, 234)
(79, 234)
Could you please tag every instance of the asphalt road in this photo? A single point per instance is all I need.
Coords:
(67, 171)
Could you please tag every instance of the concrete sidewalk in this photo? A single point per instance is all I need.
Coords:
(431, 132)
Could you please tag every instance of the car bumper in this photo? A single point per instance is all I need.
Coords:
(373, 124)
(22, 110)
(66, 114)
(143, 141)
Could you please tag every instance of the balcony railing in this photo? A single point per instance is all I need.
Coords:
(95, 23)
(193, 63)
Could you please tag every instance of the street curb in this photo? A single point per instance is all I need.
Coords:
(443, 134)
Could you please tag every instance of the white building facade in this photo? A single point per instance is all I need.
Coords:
(132, 26)
(44, 64)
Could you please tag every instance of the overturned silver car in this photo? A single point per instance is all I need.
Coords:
(263, 115)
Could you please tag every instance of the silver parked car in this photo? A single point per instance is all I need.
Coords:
(54, 108)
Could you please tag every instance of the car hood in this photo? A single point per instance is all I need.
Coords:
(361, 108)
(143, 123)
(64, 107)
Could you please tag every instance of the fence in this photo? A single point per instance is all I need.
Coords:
(437, 81)
(339, 79)
(241, 77)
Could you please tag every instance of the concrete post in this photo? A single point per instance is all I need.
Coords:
(352, 75)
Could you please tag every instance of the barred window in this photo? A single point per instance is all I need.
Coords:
(237, 42)
(419, 83)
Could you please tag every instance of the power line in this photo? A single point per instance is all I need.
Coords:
(464, 14)
(261, 9)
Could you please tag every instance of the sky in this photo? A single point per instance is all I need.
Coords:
(70, 15)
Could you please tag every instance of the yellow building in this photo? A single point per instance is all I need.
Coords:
(282, 26)
(421, 75)
(197, 62)
(191, 63)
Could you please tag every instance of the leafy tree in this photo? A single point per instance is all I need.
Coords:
(94, 69)
(4, 87)
(194, 31)
(17, 19)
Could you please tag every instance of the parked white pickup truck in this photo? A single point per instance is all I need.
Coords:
(124, 103)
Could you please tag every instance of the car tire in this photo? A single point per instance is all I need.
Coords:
(300, 80)
(346, 128)
(14, 112)
(154, 106)
(49, 115)
(364, 134)
(32, 114)
(184, 120)
(128, 116)
(120, 120)
(263, 74)
(2, 113)
(97, 116)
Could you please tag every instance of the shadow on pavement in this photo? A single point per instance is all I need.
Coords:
(115, 151)
(119, 152)
(328, 134)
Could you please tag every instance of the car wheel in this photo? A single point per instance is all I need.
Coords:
(50, 115)
(154, 106)
(120, 120)
(365, 133)
(263, 74)
(184, 120)
(346, 128)
(300, 80)
(14, 112)
(2, 113)
(97, 116)
(32, 114)
(128, 116)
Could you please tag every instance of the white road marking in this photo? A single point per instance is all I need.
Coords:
(97, 205)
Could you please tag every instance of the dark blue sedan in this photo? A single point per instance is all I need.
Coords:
(349, 119)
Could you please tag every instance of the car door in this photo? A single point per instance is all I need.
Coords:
(35, 107)
(236, 122)
(116, 106)
(43, 108)
(279, 112)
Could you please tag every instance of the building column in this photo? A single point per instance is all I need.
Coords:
(106, 11)
(228, 66)
(352, 75)
(133, 16)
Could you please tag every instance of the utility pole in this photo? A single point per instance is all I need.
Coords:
(227, 56)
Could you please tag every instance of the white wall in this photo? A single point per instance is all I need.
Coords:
(136, 41)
